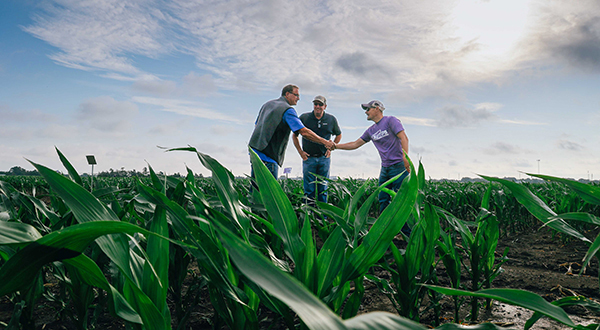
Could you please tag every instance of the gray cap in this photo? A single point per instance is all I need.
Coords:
(321, 99)
(373, 104)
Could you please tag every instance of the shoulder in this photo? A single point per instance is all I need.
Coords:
(329, 116)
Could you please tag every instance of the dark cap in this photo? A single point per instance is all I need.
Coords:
(320, 98)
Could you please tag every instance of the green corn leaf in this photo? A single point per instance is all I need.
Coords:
(309, 268)
(538, 208)
(209, 254)
(226, 192)
(387, 226)
(330, 260)
(279, 284)
(482, 326)
(17, 233)
(381, 321)
(562, 302)
(514, 297)
(20, 269)
(280, 209)
(92, 275)
(155, 281)
(589, 193)
(86, 208)
(70, 169)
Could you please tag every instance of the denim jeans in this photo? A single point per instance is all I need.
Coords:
(273, 168)
(313, 186)
(385, 198)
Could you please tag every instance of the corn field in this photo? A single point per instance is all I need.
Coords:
(146, 251)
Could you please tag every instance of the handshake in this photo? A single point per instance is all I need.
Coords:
(330, 145)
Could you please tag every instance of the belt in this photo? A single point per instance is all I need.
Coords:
(316, 155)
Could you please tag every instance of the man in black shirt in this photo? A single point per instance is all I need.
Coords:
(315, 157)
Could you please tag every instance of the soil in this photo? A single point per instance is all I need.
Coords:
(539, 261)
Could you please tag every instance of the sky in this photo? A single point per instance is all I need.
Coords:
(496, 87)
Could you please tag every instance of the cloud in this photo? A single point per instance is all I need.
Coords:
(199, 86)
(461, 116)
(221, 130)
(418, 121)
(187, 108)
(568, 32)
(25, 116)
(500, 148)
(361, 65)
(155, 86)
(569, 145)
(99, 35)
(107, 114)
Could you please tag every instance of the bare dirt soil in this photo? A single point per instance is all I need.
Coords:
(539, 262)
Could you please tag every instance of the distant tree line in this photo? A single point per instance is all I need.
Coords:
(111, 173)
(18, 170)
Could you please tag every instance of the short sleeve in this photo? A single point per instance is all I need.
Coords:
(396, 125)
(291, 118)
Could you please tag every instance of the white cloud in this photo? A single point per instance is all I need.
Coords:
(107, 114)
(499, 148)
(566, 32)
(569, 145)
(187, 108)
(461, 116)
(99, 35)
(155, 86)
(200, 86)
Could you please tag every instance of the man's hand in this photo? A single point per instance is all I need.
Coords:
(329, 145)
(304, 155)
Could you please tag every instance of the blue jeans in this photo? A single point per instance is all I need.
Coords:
(273, 168)
(385, 198)
(313, 186)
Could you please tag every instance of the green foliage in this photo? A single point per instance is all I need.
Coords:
(128, 246)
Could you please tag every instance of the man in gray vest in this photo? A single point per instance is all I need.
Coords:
(315, 157)
(276, 119)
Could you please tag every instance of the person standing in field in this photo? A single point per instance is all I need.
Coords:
(276, 119)
(389, 137)
(316, 157)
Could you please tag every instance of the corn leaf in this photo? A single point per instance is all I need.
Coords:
(21, 268)
(589, 193)
(515, 297)
(387, 226)
(538, 208)
(70, 169)
(284, 287)
(330, 260)
(208, 253)
(17, 233)
(226, 192)
(86, 208)
(280, 209)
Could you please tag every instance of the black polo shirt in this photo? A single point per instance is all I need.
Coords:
(324, 127)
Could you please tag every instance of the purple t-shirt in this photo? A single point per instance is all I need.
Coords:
(384, 137)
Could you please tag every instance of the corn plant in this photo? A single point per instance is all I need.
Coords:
(480, 249)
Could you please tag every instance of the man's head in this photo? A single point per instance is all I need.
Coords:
(319, 105)
(291, 94)
(373, 110)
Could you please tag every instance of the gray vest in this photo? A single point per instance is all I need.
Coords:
(271, 134)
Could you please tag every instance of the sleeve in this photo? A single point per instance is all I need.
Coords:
(396, 125)
(366, 136)
(291, 118)
(336, 128)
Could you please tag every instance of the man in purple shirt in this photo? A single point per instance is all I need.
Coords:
(389, 137)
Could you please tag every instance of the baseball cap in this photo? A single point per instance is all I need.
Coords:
(320, 98)
(373, 104)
